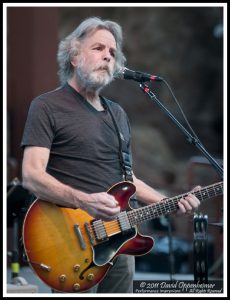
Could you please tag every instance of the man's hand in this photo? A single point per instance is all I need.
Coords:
(189, 204)
(101, 206)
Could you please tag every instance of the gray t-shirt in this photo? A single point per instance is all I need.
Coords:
(83, 143)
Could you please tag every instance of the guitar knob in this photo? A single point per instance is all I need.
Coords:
(90, 276)
(62, 278)
(76, 268)
(76, 287)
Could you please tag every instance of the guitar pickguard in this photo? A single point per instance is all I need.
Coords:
(104, 252)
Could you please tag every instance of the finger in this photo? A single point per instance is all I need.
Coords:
(105, 200)
(181, 207)
(108, 206)
(196, 188)
(192, 200)
(112, 211)
(110, 201)
(186, 203)
(108, 214)
(113, 199)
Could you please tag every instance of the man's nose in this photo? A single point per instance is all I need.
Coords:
(106, 55)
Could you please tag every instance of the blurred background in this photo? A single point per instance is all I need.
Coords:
(184, 45)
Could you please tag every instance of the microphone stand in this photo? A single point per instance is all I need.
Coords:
(171, 255)
(191, 139)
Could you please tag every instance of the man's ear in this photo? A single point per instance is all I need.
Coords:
(74, 59)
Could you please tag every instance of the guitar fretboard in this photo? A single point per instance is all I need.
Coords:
(170, 205)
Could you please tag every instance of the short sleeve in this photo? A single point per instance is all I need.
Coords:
(39, 127)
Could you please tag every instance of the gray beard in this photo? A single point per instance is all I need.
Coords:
(90, 82)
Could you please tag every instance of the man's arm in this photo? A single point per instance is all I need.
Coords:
(46, 187)
(145, 193)
(149, 195)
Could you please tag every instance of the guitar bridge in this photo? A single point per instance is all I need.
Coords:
(90, 234)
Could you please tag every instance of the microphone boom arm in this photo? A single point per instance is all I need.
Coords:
(191, 139)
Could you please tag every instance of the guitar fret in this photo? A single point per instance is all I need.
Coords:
(206, 194)
(167, 206)
(199, 195)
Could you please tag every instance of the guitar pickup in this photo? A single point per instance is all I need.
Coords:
(124, 221)
(99, 230)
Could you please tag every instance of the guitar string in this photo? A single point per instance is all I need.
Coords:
(169, 204)
(112, 225)
(99, 224)
(156, 209)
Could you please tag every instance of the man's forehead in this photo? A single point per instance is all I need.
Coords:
(101, 36)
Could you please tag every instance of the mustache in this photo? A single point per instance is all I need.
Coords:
(103, 68)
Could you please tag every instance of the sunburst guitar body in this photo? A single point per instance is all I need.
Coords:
(70, 251)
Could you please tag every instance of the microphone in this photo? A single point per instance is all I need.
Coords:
(126, 73)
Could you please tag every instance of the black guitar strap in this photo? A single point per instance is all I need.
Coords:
(124, 155)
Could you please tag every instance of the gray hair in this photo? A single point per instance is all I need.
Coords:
(70, 45)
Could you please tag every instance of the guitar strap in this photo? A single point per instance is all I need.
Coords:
(124, 155)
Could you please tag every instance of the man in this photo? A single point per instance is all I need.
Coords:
(77, 143)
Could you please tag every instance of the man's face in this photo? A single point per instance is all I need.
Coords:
(96, 60)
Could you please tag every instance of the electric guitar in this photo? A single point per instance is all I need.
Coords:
(70, 251)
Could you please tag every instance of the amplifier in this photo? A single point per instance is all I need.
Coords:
(27, 288)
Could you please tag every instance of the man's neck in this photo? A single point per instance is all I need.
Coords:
(92, 96)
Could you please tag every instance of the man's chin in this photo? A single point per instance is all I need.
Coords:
(103, 80)
(96, 81)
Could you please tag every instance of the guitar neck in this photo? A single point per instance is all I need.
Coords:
(170, 205)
